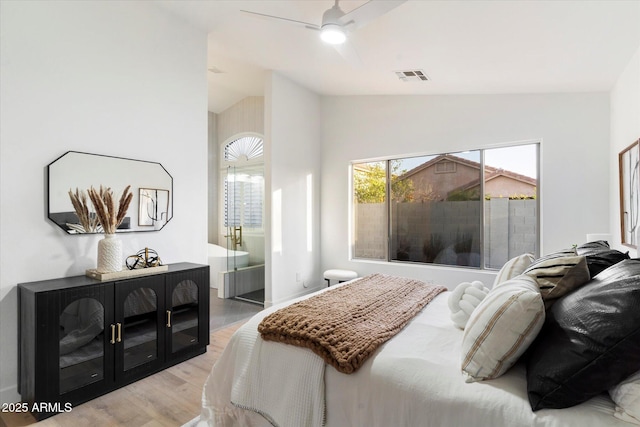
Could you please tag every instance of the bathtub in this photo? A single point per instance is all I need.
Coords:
(218, 261)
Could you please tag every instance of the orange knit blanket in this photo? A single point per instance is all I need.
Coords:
(345, 325)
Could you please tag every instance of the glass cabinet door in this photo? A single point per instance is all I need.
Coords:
(183, 315)
(137, 330)
(81, 344)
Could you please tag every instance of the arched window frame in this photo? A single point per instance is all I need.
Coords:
(249, 156)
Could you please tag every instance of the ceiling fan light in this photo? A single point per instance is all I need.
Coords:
(332, 34)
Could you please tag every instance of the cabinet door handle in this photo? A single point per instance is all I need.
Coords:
(168, 318)
(119, 337)
(113, 334)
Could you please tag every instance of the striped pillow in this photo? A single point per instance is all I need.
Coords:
(501, 328)
(558, 275)
(512, 268)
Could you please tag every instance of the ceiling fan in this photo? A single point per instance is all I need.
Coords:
(336, 24)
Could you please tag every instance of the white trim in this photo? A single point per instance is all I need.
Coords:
(457, 150)
(10, 394)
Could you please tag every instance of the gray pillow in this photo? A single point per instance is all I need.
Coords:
(558, 274)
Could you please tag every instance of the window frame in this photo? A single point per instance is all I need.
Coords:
(388, 247)
(224, 164)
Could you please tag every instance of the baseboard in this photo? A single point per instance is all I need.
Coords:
(269, 303)
(9, 394)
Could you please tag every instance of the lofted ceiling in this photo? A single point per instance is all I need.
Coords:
(464, 47)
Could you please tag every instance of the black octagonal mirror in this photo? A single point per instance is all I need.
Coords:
(152, 187)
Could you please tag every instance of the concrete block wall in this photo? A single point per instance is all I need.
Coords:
(522, 227)
(510, 230)
(370, 232)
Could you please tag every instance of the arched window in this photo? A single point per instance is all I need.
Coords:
(247, 148)
(243, 170)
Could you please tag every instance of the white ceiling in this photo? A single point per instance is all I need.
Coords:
(465, 47)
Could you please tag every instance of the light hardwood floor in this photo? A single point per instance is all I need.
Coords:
(169, 398)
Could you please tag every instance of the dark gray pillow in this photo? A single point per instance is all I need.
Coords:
(600, 256)
(590, 340)
(599, 261)
(593, 247)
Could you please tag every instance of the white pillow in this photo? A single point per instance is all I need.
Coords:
(626, 396)
(464, 299)
(501, 328)
(513, 268)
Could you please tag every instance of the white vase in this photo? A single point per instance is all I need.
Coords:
(109, 254)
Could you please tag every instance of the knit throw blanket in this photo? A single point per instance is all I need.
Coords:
(346, 324)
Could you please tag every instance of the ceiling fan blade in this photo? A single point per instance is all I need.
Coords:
(371, 10)
(350, 54)
(291, 21)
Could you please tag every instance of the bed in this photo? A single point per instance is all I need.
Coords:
(414, 378)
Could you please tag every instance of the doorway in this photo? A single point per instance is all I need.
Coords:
(242, 202)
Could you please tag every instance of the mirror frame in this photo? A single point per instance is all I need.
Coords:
(629, 178)
(131, 222)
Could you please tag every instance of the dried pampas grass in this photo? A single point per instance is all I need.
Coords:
(88, 220)
(110, 215)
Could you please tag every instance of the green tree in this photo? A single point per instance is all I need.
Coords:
(370, 183)
(401, 189)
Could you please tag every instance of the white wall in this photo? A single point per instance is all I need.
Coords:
(574, 129)
(292, 153)
(116, 78)
(246, 115)
(625, 129)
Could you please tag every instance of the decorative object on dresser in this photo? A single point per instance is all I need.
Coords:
(110, 217)
(144, 258)
(109, 254)
(88, 219)
(104, 203)
(144, 263)
(81, 338)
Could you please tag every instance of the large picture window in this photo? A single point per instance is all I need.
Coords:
(472, 209)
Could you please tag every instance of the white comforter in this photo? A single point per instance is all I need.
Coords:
(412, 380)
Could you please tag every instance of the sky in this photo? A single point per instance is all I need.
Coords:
(519, 159)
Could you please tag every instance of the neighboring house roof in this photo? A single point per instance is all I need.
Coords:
(440, 158)
(491, 172)
(512, 175)
(496, 174)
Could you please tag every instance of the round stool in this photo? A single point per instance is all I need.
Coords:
(339, 275)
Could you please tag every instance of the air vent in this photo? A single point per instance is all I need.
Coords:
(412, 76)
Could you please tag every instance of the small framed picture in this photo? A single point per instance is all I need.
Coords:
(153, 206)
